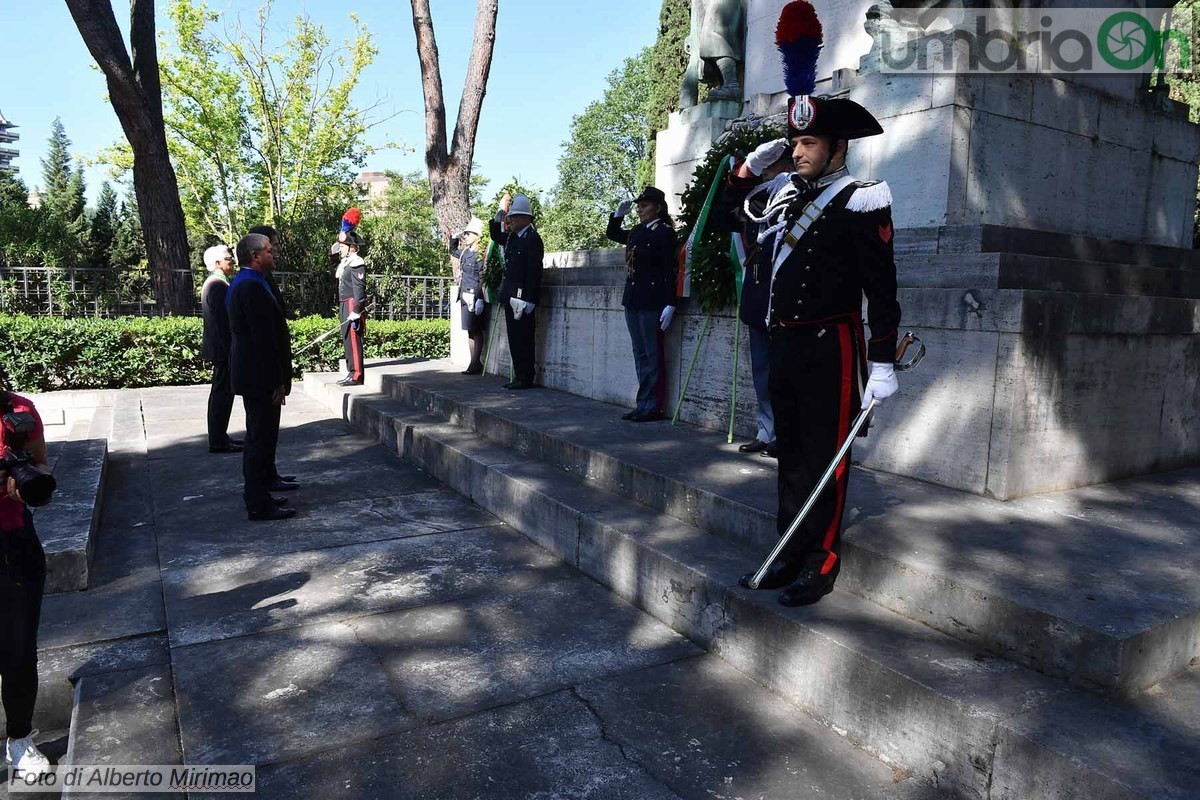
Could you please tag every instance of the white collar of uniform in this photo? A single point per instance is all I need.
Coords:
(352, 260)
(652, 224)
(521, 233)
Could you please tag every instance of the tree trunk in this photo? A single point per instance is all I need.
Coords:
(450, 169)
(136, 96)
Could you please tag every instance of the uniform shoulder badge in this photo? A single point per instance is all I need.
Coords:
(869, 196)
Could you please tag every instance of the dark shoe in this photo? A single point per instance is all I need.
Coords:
(284, 486)
(229, 448)
(286, 478)
(279, 501)
(474, 369)
(517, 386)
(810, 588)
(266, 514)
(654, 415)
(779, 574)
(757, 446)
(350, 382)
(238, 442)
(629, 414)
(770, 451)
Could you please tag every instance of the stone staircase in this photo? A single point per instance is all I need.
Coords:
(981, 645)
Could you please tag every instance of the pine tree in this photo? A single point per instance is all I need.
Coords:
(127, 250)
(13, 191)
(58, 195)
(103, 227)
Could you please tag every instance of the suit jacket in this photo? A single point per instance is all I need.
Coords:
(650, 264)
(215, 347)
(260, 354)
(522, 263)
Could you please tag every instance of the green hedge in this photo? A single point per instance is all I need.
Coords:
(42, 354)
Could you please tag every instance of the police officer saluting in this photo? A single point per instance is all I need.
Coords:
(830, 244)
(649, 297)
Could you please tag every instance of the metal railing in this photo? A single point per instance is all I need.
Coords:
(87, 291)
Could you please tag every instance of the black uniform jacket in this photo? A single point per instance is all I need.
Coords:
(650, 264)
(846, 254)
(522, 263)
(352, 285)
(730, 216)
(472, 272)
(215, 347)
(260, 356)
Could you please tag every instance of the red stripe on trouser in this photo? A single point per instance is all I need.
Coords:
(843, 428)
(355, 350)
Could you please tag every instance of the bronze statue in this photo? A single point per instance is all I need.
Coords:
(716, 49)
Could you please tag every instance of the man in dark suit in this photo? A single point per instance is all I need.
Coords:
(260, 361)
(215, 348)
(282, 482)
(521, 287)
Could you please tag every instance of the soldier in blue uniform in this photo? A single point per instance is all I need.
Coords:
(829, 240)
(649, 297)
(521, 288)
(773, 166)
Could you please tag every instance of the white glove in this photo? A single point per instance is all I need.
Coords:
(468, 298)
(881, 383)
(500, 215)
(353, 315)
(517, 305)
(623, 208)
(664, 319)
(479, 306)
(765, 155)
(529, 308)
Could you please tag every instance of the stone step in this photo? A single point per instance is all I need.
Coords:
(952, 560)
(916, 698)
(122, 718)
(67, 525)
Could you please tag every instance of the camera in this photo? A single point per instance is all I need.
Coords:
(35, 485)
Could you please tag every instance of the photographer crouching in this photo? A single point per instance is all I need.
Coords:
(25, 471)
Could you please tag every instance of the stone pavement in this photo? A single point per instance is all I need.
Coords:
(393, 640)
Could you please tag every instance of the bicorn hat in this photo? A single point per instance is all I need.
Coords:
(799, 38)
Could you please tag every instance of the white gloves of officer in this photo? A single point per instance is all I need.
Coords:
(500, 215)
(664, 319)
(881, 383)
(519, 307)
(479, 306)
(353, 315)
(765, 155)
(623, 208)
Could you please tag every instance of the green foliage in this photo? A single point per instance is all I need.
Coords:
(402, 236)
(417, 338)
(13, 190)
(600, 162)
(712, 272)
(46, 353)
(262, 130)
(1185, 81)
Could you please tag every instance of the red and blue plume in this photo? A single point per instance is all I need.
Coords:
(350, 220)
(799, 38)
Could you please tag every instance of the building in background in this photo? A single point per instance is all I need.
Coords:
(372, 187)
(7, 154)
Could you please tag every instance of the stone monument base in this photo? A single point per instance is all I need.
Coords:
(1054, 361)
(683, 145)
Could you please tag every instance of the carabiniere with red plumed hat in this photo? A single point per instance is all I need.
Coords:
(828, 239)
